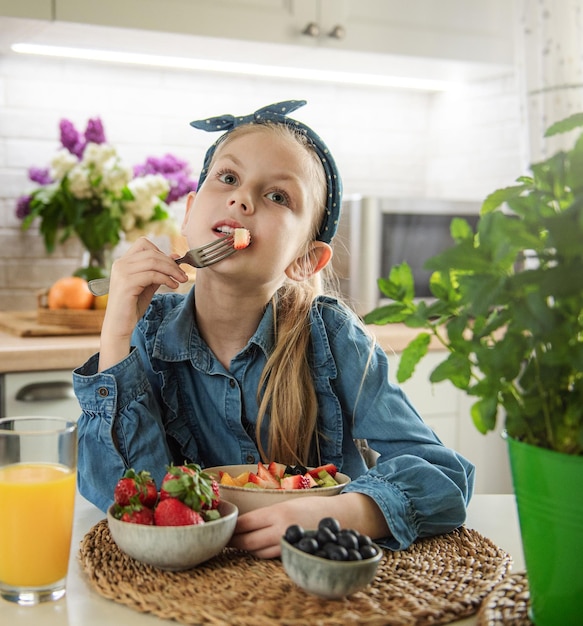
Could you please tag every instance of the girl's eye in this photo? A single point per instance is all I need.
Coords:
(227, 177)
(278, 197)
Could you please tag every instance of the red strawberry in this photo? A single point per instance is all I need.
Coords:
(329, 467)
(189, 484)
(216, 497)
(242, 238)
(298, 481)
(173, 512)
(311, 481)
(136, 487)
(134, 514)
(270, 483)
(276, 469)
(265, 475)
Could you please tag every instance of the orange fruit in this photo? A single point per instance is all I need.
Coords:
(71, 292)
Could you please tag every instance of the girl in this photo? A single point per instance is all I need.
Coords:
(254, 363)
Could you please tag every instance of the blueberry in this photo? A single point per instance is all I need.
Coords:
(368, 551)
(325, 535)
(331, 523)
(307, 544)
(336, 552)
(354, 555)
(292, 470)
(294, 533)
(364, 540)
(348, 539)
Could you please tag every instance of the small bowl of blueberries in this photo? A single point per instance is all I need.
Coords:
(329, 562)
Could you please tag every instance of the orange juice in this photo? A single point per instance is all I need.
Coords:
(36, 522)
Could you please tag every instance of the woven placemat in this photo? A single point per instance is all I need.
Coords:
(433, 582)
(507, 604)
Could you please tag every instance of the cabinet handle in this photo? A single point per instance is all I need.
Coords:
(311, 30)
(43, 392)
(338, 32)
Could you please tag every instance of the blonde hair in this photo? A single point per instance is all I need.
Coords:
(286, 389)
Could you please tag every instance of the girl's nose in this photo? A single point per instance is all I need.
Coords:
(241, 201)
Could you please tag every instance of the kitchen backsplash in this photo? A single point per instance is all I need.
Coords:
(456, 145)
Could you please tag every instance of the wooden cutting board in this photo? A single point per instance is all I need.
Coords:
(25, 324)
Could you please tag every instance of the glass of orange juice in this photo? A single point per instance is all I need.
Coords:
(38, 465)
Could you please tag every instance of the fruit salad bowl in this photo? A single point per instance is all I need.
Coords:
(248, 499)
(175, 547)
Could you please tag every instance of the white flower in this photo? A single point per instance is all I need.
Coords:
(115, 176)
(97, 154)
(62, 163)
(128, 222)
(79, 183)
(146, 191)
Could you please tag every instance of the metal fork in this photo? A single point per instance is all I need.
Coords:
(204, 256)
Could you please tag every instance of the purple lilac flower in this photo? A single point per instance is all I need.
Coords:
(176, 172)
(71, 139)
(40, 175)
(180, 185)
(23, 207)
(94, 132)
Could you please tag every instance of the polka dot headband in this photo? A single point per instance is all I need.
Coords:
(277, 114)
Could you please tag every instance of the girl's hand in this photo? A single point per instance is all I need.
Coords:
(259, 532)
(134, 280)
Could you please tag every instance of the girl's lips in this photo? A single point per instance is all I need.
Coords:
(227, 226)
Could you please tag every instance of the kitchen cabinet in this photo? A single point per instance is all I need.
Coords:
(30, 9)
(38, 393)
(452, 29)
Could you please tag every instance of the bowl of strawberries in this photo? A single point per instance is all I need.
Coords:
(179, 526)
(251, 487)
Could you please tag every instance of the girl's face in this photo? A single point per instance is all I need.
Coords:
(262, 181)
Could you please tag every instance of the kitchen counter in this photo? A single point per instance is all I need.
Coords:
(27, 354)
(494, 516)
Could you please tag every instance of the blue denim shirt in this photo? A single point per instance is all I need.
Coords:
(170, 399)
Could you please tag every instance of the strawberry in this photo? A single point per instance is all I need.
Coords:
(265, 475)
(298, 481)
(189, 484)
(329, 467)
(134, 513)
(276, 469)
(216, 499)
(242, 238)
(173, 512)
(136, 487)
(270, 483)
(311, 481)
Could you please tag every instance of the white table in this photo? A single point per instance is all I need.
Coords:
(492, 515)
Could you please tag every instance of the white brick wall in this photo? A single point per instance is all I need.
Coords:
(458, 145)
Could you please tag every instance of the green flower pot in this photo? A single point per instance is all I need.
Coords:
(549, 496)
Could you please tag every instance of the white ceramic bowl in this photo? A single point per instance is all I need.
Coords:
(248, 499)
(324, 577)
(175, 547)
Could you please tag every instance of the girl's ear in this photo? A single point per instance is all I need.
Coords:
(189, 202)
(316, 259)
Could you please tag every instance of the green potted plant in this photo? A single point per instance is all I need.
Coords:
(508, 310)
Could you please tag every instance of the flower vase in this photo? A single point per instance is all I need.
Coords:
(95, 264)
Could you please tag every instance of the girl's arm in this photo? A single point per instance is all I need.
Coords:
(260, 531)
(134, 280)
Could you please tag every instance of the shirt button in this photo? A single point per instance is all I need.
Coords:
(231, 383)
(103, 392)
(250, 459)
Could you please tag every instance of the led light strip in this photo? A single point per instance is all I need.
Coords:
(250, 69)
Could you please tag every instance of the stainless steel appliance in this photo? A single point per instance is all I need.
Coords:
(375, 234)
